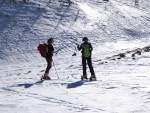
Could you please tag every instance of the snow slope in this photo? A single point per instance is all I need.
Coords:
(122, 86)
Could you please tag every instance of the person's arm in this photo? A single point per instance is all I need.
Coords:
(50, 50)
(79, 47)
(91, 48)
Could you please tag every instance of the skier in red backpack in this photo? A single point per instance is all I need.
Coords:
(49, 55)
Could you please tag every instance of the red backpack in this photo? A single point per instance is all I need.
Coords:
(43, 49)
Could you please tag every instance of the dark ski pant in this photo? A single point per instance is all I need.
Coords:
(49, 64)
(89, 62)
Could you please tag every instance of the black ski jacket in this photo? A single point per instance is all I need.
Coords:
(50, 50)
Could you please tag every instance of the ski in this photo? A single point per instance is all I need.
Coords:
(88, 79)
(54, 78)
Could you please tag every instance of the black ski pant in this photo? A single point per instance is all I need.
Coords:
(89, 62)
(49, 64)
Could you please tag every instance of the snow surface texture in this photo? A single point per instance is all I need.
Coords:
(118, 26)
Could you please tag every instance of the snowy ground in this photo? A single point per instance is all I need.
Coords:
(122, 86)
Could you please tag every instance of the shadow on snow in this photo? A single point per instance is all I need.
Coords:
(28, 85)
(76, 84)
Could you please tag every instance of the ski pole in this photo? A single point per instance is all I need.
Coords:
(75, 53)
(55, 70)
(59, 50)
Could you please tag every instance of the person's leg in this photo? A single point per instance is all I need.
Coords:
(49, 65)
(89, 61)
(84, 67)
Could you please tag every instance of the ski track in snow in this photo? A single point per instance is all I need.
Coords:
(122, 86)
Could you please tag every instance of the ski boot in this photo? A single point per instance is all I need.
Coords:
(84, 77)
(93, 77)
(45, 77)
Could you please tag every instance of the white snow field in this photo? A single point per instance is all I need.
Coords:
(114, 27)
